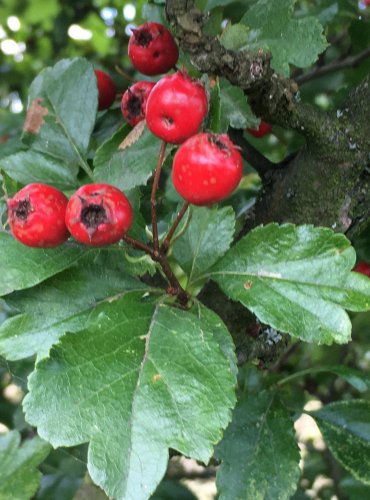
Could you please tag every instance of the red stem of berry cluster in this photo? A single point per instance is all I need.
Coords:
(153, 198)
(158, 252)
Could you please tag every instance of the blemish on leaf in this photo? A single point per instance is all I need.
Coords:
(247, 285)
(35, 117)
(156, 377)
(133, 136)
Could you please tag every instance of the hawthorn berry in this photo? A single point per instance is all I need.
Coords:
(363, 268)
(176, 107)
(134, 100)
(207, 168)
(106, 89)
(152, 49)
(98, 214)
(36, 216)
(263, 129)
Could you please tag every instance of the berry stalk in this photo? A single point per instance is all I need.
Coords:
(153, 198)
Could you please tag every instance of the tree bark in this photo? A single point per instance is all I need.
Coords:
(328, 182)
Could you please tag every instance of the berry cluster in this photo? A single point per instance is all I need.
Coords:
(207, 167)
(96, 214)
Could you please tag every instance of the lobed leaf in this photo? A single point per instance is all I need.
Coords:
(205, 241)
(60, 304)
(291, 41)
(346, 429)
(24, 267)
(296, 279)
(19, 478)
(141, 378)
(259, 454)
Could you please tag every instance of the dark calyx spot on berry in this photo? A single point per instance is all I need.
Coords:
(217, 141)
(168, 121)
(93, 215)
(143, 37)
(134, 105)
(22, 210)
(156, 54)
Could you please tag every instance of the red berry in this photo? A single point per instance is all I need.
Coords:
(176, 107)
(366, 3)
(263, 129)
(207, 168)
(36, 216)
(134, 100)
(106, 89)
(152, 49)
(98, 214)
(363, 267)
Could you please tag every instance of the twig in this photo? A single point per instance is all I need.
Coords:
(139, 245)
(153, 201)
(259, 162)
(349, 62)
(166, 242)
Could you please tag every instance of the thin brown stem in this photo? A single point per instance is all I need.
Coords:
(153, 200)
(349, 62)
(166, 242)
(175, 287)
(139, 245)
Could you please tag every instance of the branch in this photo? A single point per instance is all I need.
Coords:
(259, 162)
(349, 62)
(271, 96)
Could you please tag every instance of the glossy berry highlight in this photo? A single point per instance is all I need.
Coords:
(263, 129)
(207, 168)
(152, 49)
(133, 104)
(176, 107)
(36, 216)
(106, 90)
(98, 214)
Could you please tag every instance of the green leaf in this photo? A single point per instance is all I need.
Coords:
(19, 478)
(104, 384)
(60, 304)
(296, 279)
(259, 453)
(291, 41)
(63, 472)
(207, 238)
(345, 426)
(234, 108)
(30, 166)
(130, 167)
(11, 146)
(220, 333)
(62, 112)
(235, 36)
(23, 267)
